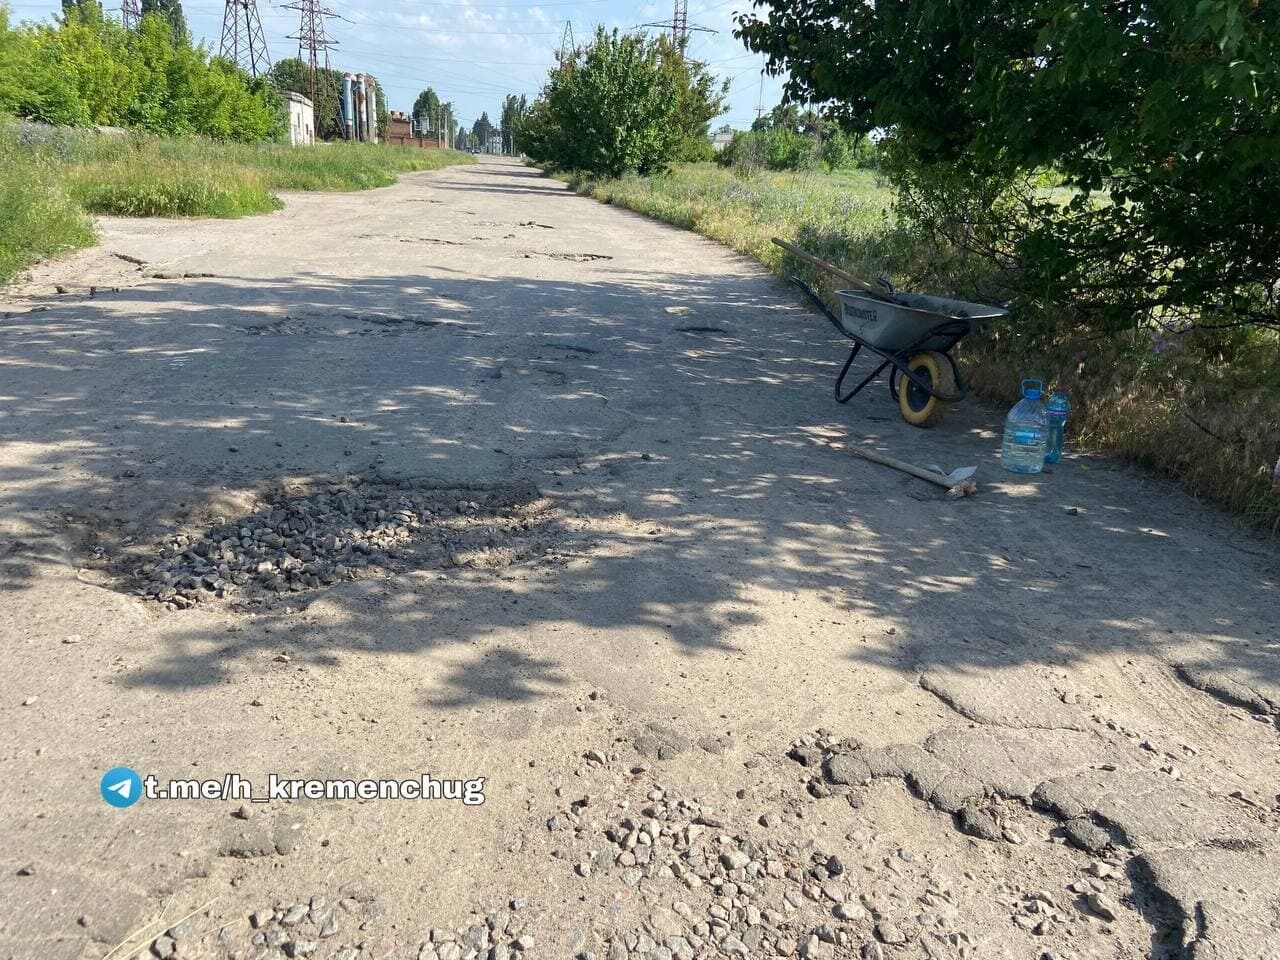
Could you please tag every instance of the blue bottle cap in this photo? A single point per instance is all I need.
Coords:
(1032, 393)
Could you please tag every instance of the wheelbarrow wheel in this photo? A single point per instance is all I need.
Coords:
(919, 407)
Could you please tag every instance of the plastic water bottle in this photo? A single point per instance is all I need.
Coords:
(1056, 415)
(1024, 431)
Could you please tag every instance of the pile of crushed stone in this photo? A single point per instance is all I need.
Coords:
(348, 531)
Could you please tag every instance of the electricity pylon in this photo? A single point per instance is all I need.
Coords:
(243, 42)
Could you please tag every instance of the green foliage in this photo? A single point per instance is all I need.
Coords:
(171, 11)
(514, 110)
(695, 149)
(1159, 116)
(37, 217)
(126, 189)
(89, 70)
(482, 129)
(786, 139)
(778, 148)
(427, 105)
(435, 114)
(623, 102)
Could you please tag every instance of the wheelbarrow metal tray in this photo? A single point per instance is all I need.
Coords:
(898, 324)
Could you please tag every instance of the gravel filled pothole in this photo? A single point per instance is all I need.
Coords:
(307, 537)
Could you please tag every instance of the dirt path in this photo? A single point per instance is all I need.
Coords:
(732, 691)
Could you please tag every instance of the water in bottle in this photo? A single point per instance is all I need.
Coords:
(1056, 419)
(1024, 431)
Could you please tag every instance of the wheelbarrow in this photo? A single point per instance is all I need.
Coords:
(911, 333)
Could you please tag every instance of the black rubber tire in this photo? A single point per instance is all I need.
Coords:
(918, 407)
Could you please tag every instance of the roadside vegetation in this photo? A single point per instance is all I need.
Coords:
(1202, 406)
(52, 178)
(1110, 172)
(622, 102)
(189, 136)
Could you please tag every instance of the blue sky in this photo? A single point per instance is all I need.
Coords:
(474, 52)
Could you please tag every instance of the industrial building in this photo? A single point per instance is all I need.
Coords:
(302, 119)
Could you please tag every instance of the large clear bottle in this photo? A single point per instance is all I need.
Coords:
(1025, 431)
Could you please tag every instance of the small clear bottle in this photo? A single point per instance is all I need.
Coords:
(1056, 418)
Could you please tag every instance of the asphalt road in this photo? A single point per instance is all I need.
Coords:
(1084, 658)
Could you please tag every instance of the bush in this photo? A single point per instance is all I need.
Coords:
(624, 102)
(1159, 117)
(789, 150)
(774, 149)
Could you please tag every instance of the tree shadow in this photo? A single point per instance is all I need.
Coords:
(683, 426)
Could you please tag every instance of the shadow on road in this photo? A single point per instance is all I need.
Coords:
(697, 410)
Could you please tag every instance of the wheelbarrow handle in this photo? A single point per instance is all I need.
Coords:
(844, 275)
(820, 304)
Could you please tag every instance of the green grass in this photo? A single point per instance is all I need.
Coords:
(52, 178)
(326, 166)
(1204, 414)
(171, 190)
(37, 217)
(744, 213)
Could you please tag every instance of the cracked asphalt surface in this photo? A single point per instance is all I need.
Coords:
(1078, 665)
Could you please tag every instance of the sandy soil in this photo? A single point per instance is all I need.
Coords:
(1064, 688)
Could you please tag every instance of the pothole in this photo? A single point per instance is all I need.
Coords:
(378, 324)
(308, 536)
(701, 330)
(573, 257)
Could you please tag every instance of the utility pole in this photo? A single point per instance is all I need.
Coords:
(130, 15)
(760, 99)
(243, 42)
(313, 43)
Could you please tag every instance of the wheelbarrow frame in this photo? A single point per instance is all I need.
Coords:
(940, 338)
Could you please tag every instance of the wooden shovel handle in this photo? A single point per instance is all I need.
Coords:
(883, 458)
(829, 267)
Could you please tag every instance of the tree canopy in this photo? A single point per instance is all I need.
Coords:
(481, 130)
(622, 102)
(90, 70)
(171, 10)
(514, 109)
(1158, 117)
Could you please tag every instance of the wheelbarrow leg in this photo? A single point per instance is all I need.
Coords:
(844, 372)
